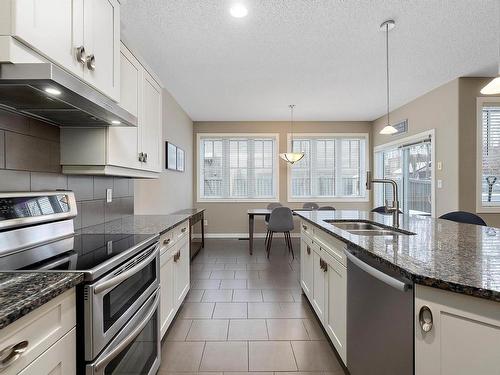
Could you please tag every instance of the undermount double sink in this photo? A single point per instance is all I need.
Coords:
(364, 228)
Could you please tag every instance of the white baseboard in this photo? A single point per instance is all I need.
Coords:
(241, 235)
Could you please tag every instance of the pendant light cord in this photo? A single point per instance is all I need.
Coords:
(292, 106)
(387, 68)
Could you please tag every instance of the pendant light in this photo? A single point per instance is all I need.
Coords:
(387, 26)
(291, 157)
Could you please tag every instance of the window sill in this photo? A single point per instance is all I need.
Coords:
(488, 209)
(237, 200)
(330, 200)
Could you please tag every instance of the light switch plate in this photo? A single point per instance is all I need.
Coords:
(109, 195)
(440, 184)
(439, 165)
(205, 222)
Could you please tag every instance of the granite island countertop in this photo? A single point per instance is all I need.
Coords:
(23, 292)
(443, 254)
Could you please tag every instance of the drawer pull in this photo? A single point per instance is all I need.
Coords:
(166, 241)
(183, 230)
(177, 256)
(90, 61)
(425, 318)
(304, 227)
(12, 353)
(80, 54)
(308, 250)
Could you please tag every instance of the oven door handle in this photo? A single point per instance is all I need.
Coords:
(111, 283)
(99, 365)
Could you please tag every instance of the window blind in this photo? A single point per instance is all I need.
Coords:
(331, 167)
(490, 180)
(237, 167)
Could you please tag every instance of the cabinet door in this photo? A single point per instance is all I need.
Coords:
(102, 41)
(181, 273)
(336, 304)
(151, 124)
(464, 338)
(318, 289)
(59, 359)
(123, 142)
(52, 27)
(306, 267)
(167, 305)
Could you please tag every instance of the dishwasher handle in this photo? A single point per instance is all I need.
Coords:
(391, 281)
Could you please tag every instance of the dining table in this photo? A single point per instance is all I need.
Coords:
(251, 218)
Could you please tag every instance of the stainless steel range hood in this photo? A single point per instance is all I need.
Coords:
(49, 93)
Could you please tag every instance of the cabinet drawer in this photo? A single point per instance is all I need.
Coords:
(41, 328)
(181, 230)
(306, 228)
(332, 246)
(166, 241)
(59, 359)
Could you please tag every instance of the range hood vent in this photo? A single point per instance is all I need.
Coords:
(47, 92)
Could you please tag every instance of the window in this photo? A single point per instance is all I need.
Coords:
(409, 163)
(488, 155)
(332, 167)
(237, 167)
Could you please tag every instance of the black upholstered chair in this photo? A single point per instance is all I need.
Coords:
(463, 217)
(326, 208)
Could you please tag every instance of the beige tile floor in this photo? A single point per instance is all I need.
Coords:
(246, 315)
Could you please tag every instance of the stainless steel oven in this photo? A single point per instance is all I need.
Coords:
(114, 299)
(136, 349)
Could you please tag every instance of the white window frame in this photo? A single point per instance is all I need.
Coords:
(399, 142)
(480, 102)
(365, 198)
(276, 179)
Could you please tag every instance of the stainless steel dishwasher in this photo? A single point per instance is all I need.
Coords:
(379, 319)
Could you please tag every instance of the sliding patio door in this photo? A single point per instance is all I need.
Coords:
(410, 165)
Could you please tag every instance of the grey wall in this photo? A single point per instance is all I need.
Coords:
(29, 161)
(172, 191)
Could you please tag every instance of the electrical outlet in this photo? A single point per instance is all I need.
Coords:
(440, 184)
(109, 195)
(205, 222)
(439, 165)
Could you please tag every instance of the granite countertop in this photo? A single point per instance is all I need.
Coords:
(462, 258)
(189, 211)
(23, 292)
(138, 224)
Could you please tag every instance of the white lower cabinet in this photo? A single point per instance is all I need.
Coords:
(323, 276)
(306, 266)
(174, 273)
(48, 336)
(464, 337)
(59, 359)
(336, 310)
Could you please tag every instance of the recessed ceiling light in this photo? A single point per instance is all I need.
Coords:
(52, 91)
(238, 11)
(116, 122)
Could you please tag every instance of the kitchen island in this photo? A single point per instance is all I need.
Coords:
(453, 277)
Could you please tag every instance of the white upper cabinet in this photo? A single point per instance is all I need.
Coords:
(123, 142)
(102, 45)
(121, 151)
(151, 124)
(54, 28)
(82, 36)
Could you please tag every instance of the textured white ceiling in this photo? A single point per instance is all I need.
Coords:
(325, 56)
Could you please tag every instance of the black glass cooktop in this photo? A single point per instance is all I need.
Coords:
(81, 252)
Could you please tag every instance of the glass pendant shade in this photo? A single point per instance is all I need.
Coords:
(492, 88)
(389, 129)
(292, 157)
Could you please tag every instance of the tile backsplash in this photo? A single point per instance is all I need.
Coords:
(29, 161)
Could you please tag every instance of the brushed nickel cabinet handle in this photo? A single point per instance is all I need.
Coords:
(90, 62)
(308, 250)
(425, 318)
(325, 266)
(183, 230)
(145, 157)
(141, 157)
(304, 227)
(12, 353)
(166, 241)
(80, 54)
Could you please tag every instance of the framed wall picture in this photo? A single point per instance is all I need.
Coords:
(180, 160)
(171, 157)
